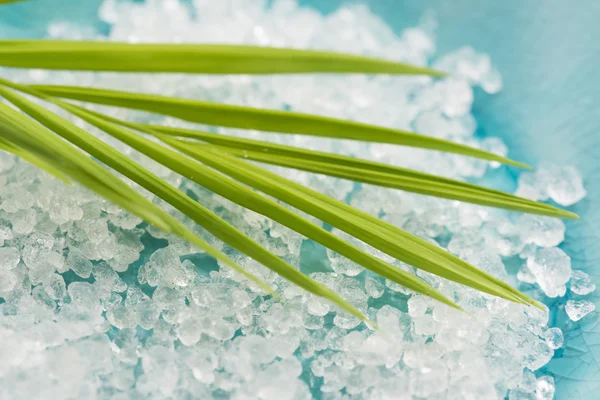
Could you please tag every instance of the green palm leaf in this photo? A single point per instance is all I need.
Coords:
(217, 162)
(190, 58)
(458, 271)
(390, 240)
(357, 170)
(218, 183)
(177, 199)
(23, 135)
(264, 120)
(249, 199)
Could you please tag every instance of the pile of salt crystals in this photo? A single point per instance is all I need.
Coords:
(98, 305)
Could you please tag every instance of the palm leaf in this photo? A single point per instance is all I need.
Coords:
(244, 174)
(31, 158)
(398, 244)
(458, 271)
(177, 199)
(221, 185)
(226, 155)
(23, 135)
(356, 169)
(264, 120)
(190, 58)
(247, 198)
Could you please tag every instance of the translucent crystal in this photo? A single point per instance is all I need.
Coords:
(256, 349)
(15, 197)
(120, 317)
(189, 331)
(8, 281)
(108, 278)
(9, 258)
(56, 287)
(566, 188)
(83, 294)
(552, 270)
(417, 305)
(79, 264)
(426, 381)
(374, 288)
(581, 283)
(342, 265)
(562, 184)
(577, 309)
(554, 337)
(544, 388)
(542, 231)
(525, 275)
(24, 221)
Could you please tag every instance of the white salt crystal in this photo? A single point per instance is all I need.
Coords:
(79, 263)
(9, 258)
(581, 283)
(566, 187)
(545, 388)
(374, 288)
(342, 265)
(15, 197)
(552, 270)
(147, 314)
(8, 280)
(56, 287)
(577, 309)
(542, 231)
(554, 337)
(23, 221)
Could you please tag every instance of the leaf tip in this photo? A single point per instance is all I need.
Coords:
(517, 164)
(560, 213)
(570, 215)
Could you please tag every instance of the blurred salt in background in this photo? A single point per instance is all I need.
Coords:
(114, 309)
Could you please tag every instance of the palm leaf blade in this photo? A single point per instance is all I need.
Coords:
(254, 201)
(39, 142)
(245, 173)
(422, 186)
(190, 58)
(353, 169)
(405, 247)
(358, 169)
(29, 157)
(189, 207)
(264, 120)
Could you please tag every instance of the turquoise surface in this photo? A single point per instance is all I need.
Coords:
(549, 109)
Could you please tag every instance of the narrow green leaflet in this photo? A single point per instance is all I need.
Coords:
(2, 2)
(177, 199)
(190, 58)
(251, 147)
(361, 170)
(27, 137)
(416, 185)
(402, 246)
(264, 120)
(462, 273)
(251, 200)
(11, 148)
(254, 201)
(21, 133)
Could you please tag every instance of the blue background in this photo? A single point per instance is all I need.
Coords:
(549, 109)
